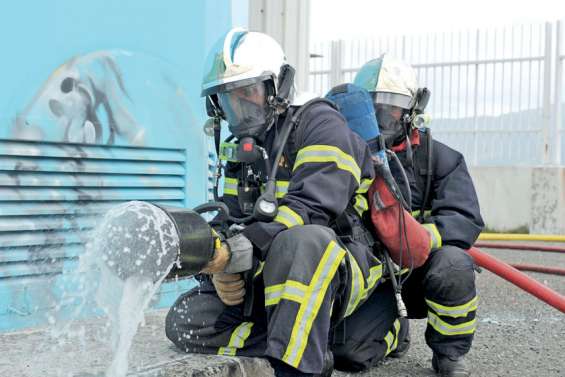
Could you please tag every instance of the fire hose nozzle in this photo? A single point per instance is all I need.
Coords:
(140, 238)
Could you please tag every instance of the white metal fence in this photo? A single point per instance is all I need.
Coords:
(496, 94)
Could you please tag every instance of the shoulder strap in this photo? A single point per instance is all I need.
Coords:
(422, 154)
(423, 164)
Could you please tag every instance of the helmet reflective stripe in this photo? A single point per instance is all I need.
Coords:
(230, 42)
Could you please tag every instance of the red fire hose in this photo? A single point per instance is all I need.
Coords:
(538, 268)
(519, 279)
(513, 246)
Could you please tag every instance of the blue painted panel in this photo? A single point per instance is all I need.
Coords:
(50, 149)
(62, 208)
(90, 166)
(28, 305)
(123, 194)
(32, 179)
(42, 223)
(10, 239)
(93, 113)
(26, 253)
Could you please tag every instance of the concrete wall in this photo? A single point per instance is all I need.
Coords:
(522, 198)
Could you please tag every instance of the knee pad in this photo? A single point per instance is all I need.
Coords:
(450, 275)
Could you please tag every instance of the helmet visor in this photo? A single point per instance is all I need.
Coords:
(245, 108)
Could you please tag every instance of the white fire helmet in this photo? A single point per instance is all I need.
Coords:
(242, 79)
(242, 58)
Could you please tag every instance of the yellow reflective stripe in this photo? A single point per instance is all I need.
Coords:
(259, 269)
(328, 153)
(358, 291)
(312, 301)
(364, 185)
(361, 204)
(290, 290)
(357, 283)
(230, 186)
(454, 311)
(445, 328)
(435, 239)
(288, 217)
(417, 212)
(282, 188)
(375, 275)
(396, 331)
(391, 337)
(237, 339)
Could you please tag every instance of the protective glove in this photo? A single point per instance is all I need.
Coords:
(232, 256)
(230, 288)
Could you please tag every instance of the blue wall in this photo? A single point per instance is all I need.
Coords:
(99, 88)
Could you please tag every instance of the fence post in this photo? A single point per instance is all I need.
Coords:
(546, 103)
(556, 137)
(476, 106)
(336, 67)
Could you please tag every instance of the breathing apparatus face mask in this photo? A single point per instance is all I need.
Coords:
(391, 124)
(246, 110)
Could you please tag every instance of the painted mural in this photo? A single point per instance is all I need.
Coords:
(107, 97)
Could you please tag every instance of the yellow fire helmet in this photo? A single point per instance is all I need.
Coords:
(390, 80)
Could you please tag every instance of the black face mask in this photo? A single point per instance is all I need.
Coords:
(390, 122)
(246, 110)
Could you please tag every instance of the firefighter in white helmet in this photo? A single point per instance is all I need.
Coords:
(297, 258)
(441, 195)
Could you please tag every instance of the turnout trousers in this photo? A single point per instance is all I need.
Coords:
(308, 283)
(443, 290)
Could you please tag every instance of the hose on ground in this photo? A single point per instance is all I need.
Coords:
(538, 268)
(518, 278)
(525, 247)
(521, 237)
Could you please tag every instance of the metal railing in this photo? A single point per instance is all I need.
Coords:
(496, 93)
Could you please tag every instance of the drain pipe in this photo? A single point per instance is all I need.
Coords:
(521, 237)
(519, 279)
(514, 246)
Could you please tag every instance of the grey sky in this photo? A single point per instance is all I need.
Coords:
(333, 19)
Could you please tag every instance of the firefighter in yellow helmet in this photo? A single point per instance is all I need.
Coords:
(441, 195)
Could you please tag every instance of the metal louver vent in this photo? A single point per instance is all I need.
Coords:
(51, 195)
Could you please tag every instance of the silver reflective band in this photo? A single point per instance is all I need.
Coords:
(393, 99)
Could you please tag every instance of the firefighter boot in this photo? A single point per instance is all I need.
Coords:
(449, 366)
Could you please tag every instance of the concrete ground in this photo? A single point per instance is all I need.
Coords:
(517, 335)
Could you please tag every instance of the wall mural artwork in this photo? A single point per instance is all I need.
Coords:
(106, 97)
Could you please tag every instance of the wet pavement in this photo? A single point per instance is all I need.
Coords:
(517, 335)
